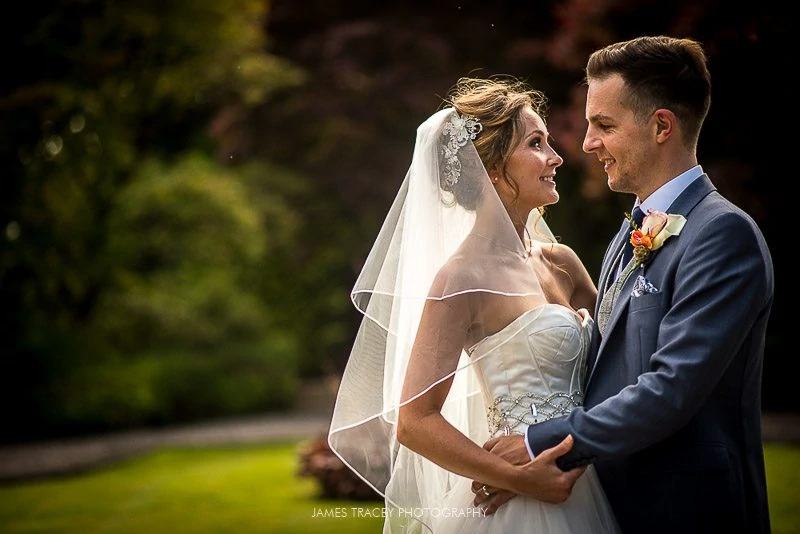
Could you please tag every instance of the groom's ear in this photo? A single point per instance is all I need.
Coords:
(666, 124)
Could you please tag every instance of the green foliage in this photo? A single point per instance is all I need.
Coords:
(183, 243)
(164, 387)
(106, 395)
(234, 379)
(167, 386)
(116, 253)
(187, 247)
(306, 279)
(125, 80)
(180, 330)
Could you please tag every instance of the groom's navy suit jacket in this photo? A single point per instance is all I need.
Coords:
(672, 412)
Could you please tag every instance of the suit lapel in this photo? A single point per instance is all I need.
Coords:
(682, 205)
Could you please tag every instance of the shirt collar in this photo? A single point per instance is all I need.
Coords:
(663, 197)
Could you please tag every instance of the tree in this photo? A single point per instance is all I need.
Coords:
(97, 87)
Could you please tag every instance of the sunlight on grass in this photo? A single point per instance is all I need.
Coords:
(783, 487)
(245, 490)
(227, 490)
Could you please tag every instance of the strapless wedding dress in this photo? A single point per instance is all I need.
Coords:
(533, 370)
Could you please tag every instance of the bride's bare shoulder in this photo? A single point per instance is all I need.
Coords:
(561, 254)
(455, 275)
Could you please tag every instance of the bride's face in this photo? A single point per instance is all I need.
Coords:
(532, 165)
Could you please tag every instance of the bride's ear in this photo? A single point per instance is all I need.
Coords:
(494, 175)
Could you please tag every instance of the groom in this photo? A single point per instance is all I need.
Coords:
(672, 412)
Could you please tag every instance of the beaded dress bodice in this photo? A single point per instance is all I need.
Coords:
(533, 369)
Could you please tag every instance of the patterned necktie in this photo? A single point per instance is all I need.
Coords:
(627, 251)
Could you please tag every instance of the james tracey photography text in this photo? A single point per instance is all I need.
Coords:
(341, 512)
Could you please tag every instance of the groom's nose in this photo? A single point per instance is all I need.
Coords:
(591, 141)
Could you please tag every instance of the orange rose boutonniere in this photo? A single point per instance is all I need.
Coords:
(657, 227)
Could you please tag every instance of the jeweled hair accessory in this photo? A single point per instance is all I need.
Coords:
(459, 130)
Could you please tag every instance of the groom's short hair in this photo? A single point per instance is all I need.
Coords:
(659, 72)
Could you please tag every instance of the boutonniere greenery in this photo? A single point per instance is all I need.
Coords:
(656, 228)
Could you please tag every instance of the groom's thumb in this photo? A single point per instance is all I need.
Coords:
(559, 450)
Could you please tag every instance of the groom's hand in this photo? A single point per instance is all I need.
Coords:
(542, 480)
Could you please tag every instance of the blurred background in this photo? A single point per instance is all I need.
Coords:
(189, 187)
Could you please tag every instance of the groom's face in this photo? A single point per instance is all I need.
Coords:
(621, 143)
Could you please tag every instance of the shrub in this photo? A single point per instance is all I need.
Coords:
(336, 480)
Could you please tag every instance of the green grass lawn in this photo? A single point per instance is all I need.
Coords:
(783, 487)
(244, 490)
(228, 490)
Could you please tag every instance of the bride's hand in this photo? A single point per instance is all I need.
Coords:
(513, 450)
(510, 448)
(489, 498)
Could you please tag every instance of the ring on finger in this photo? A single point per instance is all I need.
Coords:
(485, 491)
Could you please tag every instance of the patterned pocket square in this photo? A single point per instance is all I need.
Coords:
(643, 286)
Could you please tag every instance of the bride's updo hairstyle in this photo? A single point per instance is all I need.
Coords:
(496, 103)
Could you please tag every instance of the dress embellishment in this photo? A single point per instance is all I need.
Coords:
(507, 413)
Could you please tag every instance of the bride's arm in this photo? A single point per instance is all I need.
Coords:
(422, 428)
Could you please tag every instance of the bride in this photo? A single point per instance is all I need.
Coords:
(475, 325)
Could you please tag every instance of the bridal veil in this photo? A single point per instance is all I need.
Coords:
(445, 201)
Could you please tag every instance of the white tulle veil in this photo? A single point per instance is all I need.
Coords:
(447, 212)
